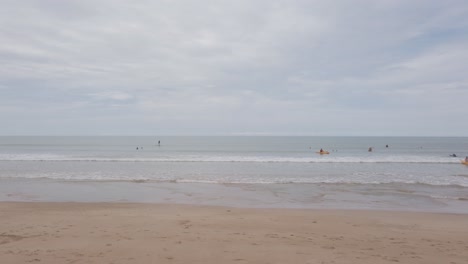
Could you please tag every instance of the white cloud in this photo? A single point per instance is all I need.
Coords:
(276, 67)
(119, 96)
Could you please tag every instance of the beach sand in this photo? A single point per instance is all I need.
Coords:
(164, 233)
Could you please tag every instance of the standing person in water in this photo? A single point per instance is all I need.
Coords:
(159, 142)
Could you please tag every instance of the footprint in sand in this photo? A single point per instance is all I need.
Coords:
(5, 238)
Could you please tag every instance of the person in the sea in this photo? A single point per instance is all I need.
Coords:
(370, 149)
(453, 155)
(321, 150)
(466, 159)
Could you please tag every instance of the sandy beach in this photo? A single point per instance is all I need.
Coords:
(165, 233)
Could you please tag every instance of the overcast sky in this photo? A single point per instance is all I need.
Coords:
(114, 67)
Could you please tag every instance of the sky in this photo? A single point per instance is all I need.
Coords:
(239, 67)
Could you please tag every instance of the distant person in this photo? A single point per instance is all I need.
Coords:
(137, 148)
(370, 149)
(466, 159)
(386, 146)
(453, 155)
(321, 150)
(159, 142)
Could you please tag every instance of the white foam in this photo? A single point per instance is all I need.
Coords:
(351, 179)
(258, 159)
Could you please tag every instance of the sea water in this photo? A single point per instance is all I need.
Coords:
(412, 173)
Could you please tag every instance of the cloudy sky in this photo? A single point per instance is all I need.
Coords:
(253, 67)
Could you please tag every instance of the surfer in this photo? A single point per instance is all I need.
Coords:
(321, 152)
(370, 149)
(453, 155)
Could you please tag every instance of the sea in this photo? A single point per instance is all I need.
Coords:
(400, 173)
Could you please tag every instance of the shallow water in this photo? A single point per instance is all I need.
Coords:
(411, 174)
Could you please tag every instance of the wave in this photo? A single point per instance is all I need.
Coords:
(250, 159)
(90, 177)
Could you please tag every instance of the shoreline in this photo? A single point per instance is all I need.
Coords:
(116, 232)
(388, 197)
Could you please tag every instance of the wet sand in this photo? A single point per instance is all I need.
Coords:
(165, 233)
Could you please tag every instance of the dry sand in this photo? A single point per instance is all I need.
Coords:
(152, 233)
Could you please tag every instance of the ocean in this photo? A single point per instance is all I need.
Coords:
(412, 173)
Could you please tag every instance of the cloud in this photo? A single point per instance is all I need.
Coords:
(268, 67)
(118, 96)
